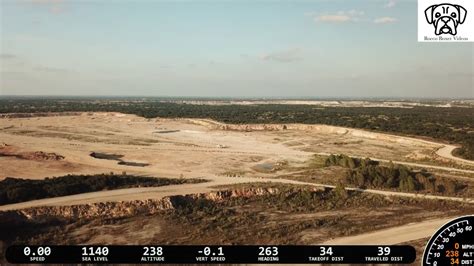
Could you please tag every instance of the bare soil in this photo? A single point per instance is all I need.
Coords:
(294, 215)
(224, 154)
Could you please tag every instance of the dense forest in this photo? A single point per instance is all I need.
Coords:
(366, 173)
(14, 190)
(453, 124)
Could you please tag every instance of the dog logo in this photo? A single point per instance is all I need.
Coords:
(445, 17)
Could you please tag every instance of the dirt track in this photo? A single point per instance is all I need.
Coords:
(159, 192)
(447, 152)
(193, 147)
(184, 148)
(394, 235)
(188, 148)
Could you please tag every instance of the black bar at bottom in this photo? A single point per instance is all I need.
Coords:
(157, 254)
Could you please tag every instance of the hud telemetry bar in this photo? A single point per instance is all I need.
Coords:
(400, 254)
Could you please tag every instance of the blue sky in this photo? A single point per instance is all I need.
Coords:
(226, 48)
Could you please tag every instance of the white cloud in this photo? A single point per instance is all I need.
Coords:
(385, 20)
(285, 56)
(352, 12)
(333, 18)
(340, 16)
(390, 4)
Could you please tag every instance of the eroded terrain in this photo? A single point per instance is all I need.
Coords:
(187, 147)
(305, 209)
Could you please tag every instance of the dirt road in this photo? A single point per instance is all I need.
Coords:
(447, 152)
(182, 146)
(175, 148)
(394, 235)
(160, 192)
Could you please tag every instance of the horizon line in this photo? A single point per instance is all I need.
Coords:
(254, 98)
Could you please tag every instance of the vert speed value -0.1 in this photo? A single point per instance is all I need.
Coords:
(452, 244)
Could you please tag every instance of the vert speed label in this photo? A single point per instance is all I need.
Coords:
(452, 244)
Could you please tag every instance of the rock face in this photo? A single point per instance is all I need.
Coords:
(105, 209)
(227, 194)
(123, 208)
(267, 127)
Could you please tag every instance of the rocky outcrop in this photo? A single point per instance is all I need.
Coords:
(42, 156)
(123, 208)
(7, 150)
(267, 127)
(227, 194)
(104, 209)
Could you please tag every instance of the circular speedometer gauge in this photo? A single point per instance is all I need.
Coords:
(452, 244)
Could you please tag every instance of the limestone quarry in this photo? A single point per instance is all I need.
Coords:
(253, 159)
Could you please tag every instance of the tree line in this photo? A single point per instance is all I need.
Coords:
(13, 190)
(366, 173)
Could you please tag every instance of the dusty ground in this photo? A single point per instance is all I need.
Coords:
(191, 148)
(246, 214)
(182, 147)
(394, 235)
